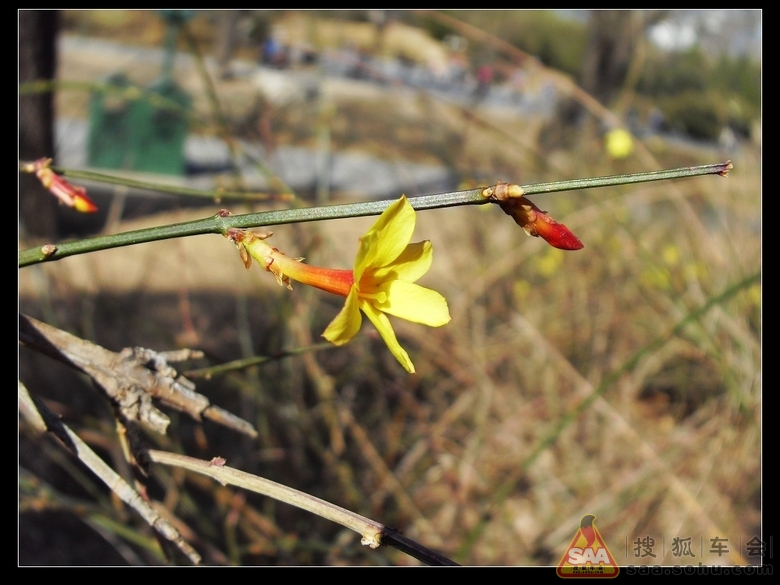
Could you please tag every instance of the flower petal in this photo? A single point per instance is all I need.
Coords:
(413, 262)
(414, 303)
(83, 203)
(387, 238)
(347, 323)
(382, 324)
(365, 255)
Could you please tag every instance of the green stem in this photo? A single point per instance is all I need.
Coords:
(590, 183)
(218, 224)
(242, 364)
(174, 189)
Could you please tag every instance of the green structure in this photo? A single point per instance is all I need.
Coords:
(142, 129)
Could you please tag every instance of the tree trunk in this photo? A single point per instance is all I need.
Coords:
(37, 60)
(613, 36)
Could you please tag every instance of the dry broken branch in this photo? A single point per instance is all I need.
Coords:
(130, 378)
(42, 419)
(373, 533)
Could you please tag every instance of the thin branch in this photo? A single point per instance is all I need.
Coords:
(721, 169)
(35, 494)
(213, 98)
(215, 194)
(392, 537)
(372, 533)
(130, 378)
(244, 363)
(41, 418)
(221, 222)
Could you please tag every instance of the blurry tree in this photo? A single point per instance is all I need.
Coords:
(698, 94)
(227, 40)
(613, 39)
(557, 42)
(669, 73)
(700, 115)
(37, 60)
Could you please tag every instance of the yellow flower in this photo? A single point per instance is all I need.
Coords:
(381, 283)
(619, 143)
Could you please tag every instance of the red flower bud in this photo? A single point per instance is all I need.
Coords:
(71, 195)
(536, 222)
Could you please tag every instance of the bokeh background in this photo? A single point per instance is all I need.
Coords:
(546, 398)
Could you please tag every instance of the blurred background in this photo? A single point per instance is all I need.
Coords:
(492, 452)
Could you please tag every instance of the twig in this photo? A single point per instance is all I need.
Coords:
(130, 378)
(221, 222)
(244, 363)
(391, 537)
(372, 533)
(41, 418)
(217, 194)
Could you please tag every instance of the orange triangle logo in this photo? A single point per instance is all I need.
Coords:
(588, 556)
